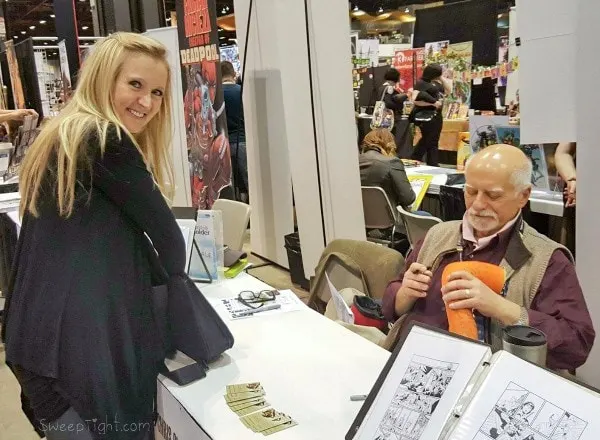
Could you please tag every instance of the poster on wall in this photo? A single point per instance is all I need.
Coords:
(232, 54)
(204, 108)
(15, 77)
(483, 130)
(409, 63)
(460, 59)
(436, 48)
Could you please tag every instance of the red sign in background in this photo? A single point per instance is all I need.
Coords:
(409, 63)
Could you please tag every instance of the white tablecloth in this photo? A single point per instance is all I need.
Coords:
(308, 365)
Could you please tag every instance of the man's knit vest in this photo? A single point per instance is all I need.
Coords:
(525, 261)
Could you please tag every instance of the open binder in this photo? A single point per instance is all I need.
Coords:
(437, 386)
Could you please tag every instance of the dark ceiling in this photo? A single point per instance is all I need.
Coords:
(21, 15)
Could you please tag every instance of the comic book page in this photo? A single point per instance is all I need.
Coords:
(423, 385)
(520, 401)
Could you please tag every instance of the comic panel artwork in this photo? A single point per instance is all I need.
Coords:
(415, 399)
(204, 108)
(522, 415)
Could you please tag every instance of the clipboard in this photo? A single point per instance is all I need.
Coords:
(372, 396)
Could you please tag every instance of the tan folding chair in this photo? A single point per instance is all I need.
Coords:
(416, 225)
(236, 217)
(379, 213)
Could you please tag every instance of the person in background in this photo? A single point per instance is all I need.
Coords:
(542, 289)
(234, 108)
(16, 115)
(394, 100)
(79, 328)
(428, 96)
(564, 157)
(380, 167)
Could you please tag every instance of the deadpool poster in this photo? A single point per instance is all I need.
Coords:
(204, 109)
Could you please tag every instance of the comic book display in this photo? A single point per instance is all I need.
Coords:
(204, 108)
(437, 385)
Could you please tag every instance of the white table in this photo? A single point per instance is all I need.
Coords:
(308, 365)
(541, 201)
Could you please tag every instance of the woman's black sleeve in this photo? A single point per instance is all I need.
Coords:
(122, 176)
(424, 90)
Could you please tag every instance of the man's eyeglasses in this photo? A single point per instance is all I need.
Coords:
(255, 300)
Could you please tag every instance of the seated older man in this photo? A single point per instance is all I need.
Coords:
(542, 289)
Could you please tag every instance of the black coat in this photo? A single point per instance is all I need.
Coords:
(81, 307)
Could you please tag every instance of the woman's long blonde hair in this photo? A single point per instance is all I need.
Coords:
(91, 111)
(381, 140)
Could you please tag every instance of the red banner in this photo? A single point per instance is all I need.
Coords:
(205, 120)
(409, 63)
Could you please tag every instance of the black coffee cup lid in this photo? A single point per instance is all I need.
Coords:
(524, 335)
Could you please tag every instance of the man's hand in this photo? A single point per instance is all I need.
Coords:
(464, 291)
(415, 284)
(438, 104)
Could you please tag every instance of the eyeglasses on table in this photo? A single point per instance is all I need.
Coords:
(255, 300)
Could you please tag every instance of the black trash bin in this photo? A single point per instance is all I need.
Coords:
(294, 254)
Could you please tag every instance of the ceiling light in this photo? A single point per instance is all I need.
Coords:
(31, 27)
(220, 30)
(42, 21)
(51, 15)
(355, 8)
(168, 19)
(15, 36)
(380, 10)
(23, 32)
(407, 11)
(46, 43)
(85, 28)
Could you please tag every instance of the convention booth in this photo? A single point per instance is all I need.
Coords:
(294, 372)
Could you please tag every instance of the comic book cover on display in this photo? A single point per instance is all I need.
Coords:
(204, 109)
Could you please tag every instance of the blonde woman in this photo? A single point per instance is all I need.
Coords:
(380, 167)
(80, 335)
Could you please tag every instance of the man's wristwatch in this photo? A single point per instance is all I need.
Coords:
(523, 317)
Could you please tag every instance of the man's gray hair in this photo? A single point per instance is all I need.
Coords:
(521, 177)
